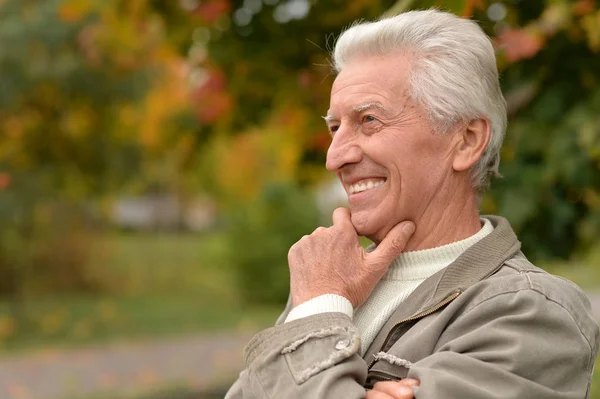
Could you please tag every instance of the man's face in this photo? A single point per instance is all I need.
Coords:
(384, 149)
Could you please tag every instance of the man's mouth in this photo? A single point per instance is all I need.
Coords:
(364, 185)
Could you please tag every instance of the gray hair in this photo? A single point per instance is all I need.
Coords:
(454, 73)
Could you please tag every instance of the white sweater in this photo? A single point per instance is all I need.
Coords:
(405, 274)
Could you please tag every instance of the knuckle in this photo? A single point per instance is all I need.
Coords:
(302, 240)
(297, 247)
(291, 253)
(398, 243)
(294, 249)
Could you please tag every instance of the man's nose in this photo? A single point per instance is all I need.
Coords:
(344, 149)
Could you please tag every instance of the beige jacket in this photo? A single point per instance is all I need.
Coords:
(490, 325)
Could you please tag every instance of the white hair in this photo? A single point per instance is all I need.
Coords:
(453, 74)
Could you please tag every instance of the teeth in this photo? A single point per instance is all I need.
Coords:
(359, 187)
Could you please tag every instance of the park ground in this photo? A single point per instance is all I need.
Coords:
(176, 332)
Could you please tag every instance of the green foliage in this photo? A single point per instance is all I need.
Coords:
(550, 70)
(158, 284)
(260, 234)
(75, 80)
(551, 154)
(44, 243)
(101, 97)
(63, 91)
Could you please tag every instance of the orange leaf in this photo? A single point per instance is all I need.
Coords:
(212, 101)
(470, 7)
(583, 7)
(210, 11)
(73, 10)
(519, 44)
(4, 181)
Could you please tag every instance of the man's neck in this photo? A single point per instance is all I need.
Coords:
(447, 219)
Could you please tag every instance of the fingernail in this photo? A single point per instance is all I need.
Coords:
(404, 391)
(410, 381)
(408, 228)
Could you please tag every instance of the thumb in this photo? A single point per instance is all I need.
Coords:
(393, 243)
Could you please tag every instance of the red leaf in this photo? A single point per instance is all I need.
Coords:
(583, 7)
(211, 10)
(519, 44)
(212, 101)
(4, 181)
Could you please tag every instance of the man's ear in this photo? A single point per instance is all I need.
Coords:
(472, 140)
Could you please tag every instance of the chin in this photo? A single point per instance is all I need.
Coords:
(366, 227)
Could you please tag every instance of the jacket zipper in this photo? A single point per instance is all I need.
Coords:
(417, 316)
(379, 376)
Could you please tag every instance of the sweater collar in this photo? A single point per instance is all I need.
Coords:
(479, 261)
(418, 265)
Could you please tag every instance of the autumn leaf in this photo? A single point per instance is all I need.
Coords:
(210, 11)
(74, 10)
(4, 181)
(591, 24)
(519, 44)
(212, 101)
(8, 326)
(471, 6)
(583, 7)
(464, 8)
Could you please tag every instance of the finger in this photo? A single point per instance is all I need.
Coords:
(341, 216)
(395, 389)
(320, 230)
(411, 382)
(393, 243)
(372, 394)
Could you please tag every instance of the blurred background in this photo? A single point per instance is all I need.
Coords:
(159, 157)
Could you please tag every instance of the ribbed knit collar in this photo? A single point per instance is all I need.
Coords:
(418, 265)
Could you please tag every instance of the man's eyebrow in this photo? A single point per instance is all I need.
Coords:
(363, 107)
(357, 110)
(329, 118)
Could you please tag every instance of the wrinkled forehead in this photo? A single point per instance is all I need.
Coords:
(380, 72)
(373, 83)
(396, 65)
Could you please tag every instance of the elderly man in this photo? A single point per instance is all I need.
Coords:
(444, 304)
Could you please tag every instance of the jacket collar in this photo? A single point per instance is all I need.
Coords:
(478, 262)
(475, 264)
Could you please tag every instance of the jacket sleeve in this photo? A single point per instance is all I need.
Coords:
(512, 345)
(313, 357)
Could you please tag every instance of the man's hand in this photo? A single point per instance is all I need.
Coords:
(332, 261)
(393, 389)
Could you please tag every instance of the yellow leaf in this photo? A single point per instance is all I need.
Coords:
(591, 25)
(74, 10)
(82, 329)
(519, 43)
(51, 322)
(107, 310)
(8, 326)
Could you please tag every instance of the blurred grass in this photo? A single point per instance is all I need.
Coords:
(164, 284)
(583, 271)
(174, 392)
(171, 284)
(595, 391)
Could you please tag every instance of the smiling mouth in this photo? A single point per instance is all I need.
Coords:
(364, 185)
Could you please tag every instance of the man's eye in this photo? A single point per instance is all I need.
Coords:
(369, 118)
(333, 129)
